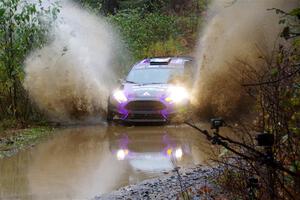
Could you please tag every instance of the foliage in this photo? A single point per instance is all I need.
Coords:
(94, 6)
(13, 141)
(177, 7)
(165, 33)
(167, 48)
(23, 27)
(153, 27)
(139, 31)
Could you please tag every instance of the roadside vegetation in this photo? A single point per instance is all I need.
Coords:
(152, 28)
(23, 27)
(268, 166)
(13, 140)
(149, 34)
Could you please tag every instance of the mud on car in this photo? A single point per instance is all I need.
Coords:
(155, 90)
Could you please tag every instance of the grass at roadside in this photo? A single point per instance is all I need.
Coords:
(13, 140)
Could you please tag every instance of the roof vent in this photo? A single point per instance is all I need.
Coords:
(160, 61)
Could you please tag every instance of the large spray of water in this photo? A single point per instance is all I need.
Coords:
(70, 78)
(238, 34)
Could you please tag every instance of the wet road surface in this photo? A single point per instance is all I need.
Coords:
(82, 162)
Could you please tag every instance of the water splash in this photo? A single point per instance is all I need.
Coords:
(71, 77)
(236, 36)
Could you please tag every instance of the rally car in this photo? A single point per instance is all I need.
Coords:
(155, 90)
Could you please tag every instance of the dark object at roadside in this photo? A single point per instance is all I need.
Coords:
(216, 123)
(265, 139)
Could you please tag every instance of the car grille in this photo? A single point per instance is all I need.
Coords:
(145, 106)
(146, 116)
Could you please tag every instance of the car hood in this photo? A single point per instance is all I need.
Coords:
(146, 91)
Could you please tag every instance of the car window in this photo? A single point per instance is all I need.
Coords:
(153, 75)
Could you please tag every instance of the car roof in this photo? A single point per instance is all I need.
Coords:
(163, 62)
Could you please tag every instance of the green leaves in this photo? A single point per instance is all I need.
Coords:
(295, 12)
(2, 11)
(274, 72)
(295, 167)
(147, 33)
(23, 27)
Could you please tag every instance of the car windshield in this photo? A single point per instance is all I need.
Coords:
(153, 75)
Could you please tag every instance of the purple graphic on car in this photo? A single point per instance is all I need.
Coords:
(155, 90)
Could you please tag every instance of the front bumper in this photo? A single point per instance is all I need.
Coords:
(147, 110)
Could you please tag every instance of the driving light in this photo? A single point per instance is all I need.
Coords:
(177, 94)
(120, 96)
(121, 154)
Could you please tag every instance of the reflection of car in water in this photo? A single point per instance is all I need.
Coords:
(155, 90)
(151, 150)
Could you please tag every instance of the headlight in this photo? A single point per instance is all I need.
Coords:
(121, 154)
(120, 96)
(177, 94)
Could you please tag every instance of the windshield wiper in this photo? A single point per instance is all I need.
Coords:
(126, 81)
(130, 82)
(152, 83)
(155, 83)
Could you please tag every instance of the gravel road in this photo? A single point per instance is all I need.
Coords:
(192, 183)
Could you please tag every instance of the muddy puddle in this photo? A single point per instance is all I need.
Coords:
(82, 162)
